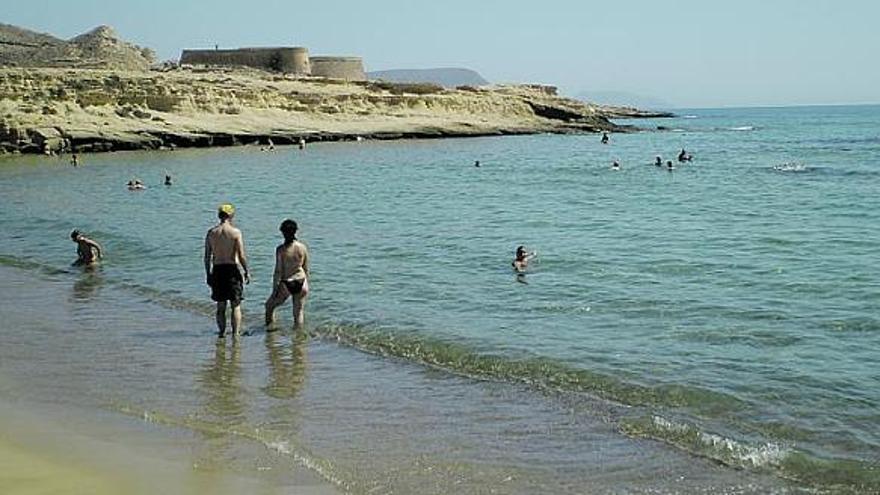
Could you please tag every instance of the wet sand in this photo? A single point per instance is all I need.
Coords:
(74, 452)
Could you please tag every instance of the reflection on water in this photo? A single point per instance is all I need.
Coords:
(88, 284)
(221, 386)
(220, 380)
(287, 363)
(286, 378)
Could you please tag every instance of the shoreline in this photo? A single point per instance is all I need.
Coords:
(54, 111)
(46, 450)
(279, 412)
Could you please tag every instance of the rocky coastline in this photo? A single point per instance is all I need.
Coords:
(96, 92)
(58, 110)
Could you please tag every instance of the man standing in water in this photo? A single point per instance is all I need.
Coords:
(87, 250)
(224, 252)
(291, 277)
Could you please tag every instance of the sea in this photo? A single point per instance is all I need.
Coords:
(708, 329)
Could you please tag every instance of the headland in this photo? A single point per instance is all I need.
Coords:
(96, 92)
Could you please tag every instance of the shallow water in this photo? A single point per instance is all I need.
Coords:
(727, 309)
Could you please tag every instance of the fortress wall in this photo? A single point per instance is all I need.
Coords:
(350, 68)
(294, 60)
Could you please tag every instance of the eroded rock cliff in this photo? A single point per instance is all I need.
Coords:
(54, 110)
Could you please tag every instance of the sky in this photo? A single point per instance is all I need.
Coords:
(689, 53)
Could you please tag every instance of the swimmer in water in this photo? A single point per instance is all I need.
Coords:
(669, 165)
(605, 138)
(88, 251)
(167, 180)
(477, 163)
(684, 156)
(615, 165)
(521, 260)
(658, 161)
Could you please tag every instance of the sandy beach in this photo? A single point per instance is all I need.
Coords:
(44, 450)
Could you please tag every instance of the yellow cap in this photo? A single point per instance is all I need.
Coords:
(226, 208)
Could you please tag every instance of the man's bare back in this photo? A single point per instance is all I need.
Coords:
(224, 253)
(224, 242)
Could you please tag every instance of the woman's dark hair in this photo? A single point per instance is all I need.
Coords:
(288, 230)
(74, 234)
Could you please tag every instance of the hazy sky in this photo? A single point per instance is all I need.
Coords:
(687, 52)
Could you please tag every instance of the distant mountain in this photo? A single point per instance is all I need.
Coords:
(99, 48)
(623, 99)
(449, 77)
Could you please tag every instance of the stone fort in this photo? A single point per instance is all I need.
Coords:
(291, 60)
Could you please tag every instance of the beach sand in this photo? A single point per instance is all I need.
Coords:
(75, 452)
(23, 472)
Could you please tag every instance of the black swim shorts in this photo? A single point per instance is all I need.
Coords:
(226, 284)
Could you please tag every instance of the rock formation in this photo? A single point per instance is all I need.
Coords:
(99, 48)
(448, 77)
(91, 93)
(55, 110)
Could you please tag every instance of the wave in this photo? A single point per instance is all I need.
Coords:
(296, 452)
(791, 167)
(802, 168)
(834, 475)
(23, 264)
(539, 372)
(741, 128)
(719, 448)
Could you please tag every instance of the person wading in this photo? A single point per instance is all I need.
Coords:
(224, 253)
(291, 276)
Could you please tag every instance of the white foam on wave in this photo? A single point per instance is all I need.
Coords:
(742, 128)
(791, 167)
(322, 468)
(725, 449)
(298, 454)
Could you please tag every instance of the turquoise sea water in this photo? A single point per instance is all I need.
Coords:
(722, 317)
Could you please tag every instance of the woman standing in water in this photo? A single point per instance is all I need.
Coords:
(291, 276)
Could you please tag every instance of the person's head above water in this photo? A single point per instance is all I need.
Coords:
(225, 211)
(288, 230)
(520, 251)
(74, 234)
